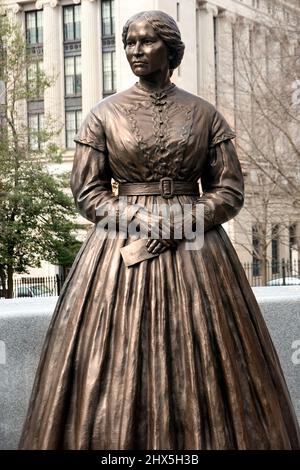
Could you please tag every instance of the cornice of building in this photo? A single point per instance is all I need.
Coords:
(38, 4)
(237, 12)
(246, 10)
(292, 5)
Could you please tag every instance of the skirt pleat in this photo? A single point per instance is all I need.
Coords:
(172, 353)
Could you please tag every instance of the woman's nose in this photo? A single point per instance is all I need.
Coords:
(137, 48)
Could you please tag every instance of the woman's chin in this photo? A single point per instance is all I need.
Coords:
(140, 73)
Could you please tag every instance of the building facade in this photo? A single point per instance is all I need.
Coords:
(79, 43)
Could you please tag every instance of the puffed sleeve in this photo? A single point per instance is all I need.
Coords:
(222, 179)
(91, 175)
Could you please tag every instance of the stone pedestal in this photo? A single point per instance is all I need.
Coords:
(24, 322)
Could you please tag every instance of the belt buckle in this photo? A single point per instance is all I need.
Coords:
(166, 186)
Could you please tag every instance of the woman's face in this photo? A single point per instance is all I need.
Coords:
(146, 53)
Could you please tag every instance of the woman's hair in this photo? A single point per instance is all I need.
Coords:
(166, 28)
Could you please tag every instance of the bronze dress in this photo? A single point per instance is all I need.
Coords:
(171, 353)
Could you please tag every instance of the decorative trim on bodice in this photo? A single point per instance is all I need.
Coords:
(161, 133)
(188, 114)
(130, 110)
(163, 159)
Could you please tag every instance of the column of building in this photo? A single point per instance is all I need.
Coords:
(52, 61)
(296, 248)
(275, 83)
(90, 54)
(15, 12)
(206, 51)
(243, 119)
(225, 65)
(242, 79)
(284, 247)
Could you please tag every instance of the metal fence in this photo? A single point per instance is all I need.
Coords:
(38, 286)
(281, 273)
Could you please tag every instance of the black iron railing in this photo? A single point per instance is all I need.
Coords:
(268, 273)
(260, 273)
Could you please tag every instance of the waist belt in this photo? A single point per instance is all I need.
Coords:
(166, 187)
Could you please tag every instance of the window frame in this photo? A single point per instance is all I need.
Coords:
(40, 126)
(77, 90)
(37, 13)
(275, 249)
(77, 125)
(110, 18)
(38, 64)
(111, 72)
(72, 8)
(256, 248)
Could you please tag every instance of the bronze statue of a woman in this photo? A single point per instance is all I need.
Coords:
(171, 352)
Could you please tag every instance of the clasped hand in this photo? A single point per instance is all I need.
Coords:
(164, 227)
(165, 231)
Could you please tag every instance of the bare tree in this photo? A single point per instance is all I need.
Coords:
(267, 117)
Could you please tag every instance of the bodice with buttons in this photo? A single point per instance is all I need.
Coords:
(162, 156)
(147, 136)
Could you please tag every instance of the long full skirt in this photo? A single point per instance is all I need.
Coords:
(172, 353)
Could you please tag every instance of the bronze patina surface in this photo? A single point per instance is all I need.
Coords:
(170, 352)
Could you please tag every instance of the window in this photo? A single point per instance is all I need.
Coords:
(178, 11)
(286, 15)
(73, 121)
(109, 72)
(275, 249)
(72, 31)
(108, 18)
(72, 71)
(256, 248)
(271, 7)
(108, 47)
(35, 125)
(35, 106)
(2, 95)
(34, 71)
(293, 248)
(34, 27)
(73, 75)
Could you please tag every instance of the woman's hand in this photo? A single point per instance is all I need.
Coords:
(163, 231)
(160, 245)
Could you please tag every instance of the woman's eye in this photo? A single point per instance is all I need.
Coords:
(148, 41)
(129, 43)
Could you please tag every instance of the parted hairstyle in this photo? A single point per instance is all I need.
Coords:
(166, 28)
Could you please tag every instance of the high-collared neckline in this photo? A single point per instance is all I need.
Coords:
(155, 91)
